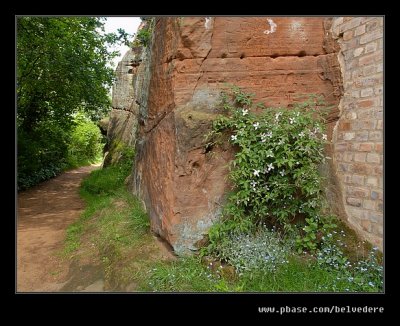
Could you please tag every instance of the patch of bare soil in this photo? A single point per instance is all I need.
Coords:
(44, 213)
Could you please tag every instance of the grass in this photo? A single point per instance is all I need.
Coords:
(115, 229)
(299, 275)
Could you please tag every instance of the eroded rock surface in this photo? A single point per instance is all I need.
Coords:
(281, 60)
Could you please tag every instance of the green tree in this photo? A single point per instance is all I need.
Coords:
(61, 69)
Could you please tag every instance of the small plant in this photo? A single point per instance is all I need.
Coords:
(313, 232)
(143, 36)
(247, 252)
(365, 275)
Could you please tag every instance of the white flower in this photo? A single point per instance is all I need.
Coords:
(263, 137)
(277, 115)
(256, 125)
(370, 284)
(269, 167)
(269, 134)
(234, 137)
(291, 120)
(244, 111)
(256, 173)
(324, 137)
(253, 184)
(282, 173)
(301, 134)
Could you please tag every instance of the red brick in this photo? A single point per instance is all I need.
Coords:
(369, 70)
(346, 178)
(371, 47)
(368, 81)
(351, 115)
(345, 126)
(360, 125)
(375, 217)
(351, 44)
(339, 147)
(379, 114)
(366, 147)
(378, 90)
(357, 213)
(351, 22)
(367, 92)
(362, 168)
(344, 167)
(357, 192)
(356, 202)
(348, 135)
(368, 37)
(362, 135)
(379, 148)
(366, 114)
(359, 30)
(359, 157)
(357, 179)
(373, 158)
(339, 156)
(372, 25)
(347, 157)
(358, 52)
(337, 21)
(378, 170)
(372, 181)
(375, 135)
(366, 60)
(369, 204)
(347, 35)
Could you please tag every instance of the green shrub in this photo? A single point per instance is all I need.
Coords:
(143, 36)
(275, 171)
(41, 153)
(85, 142)
(50, 148)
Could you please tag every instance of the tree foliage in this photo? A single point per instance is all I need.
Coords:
(61, 70)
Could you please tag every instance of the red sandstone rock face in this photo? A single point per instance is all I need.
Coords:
(279, 59)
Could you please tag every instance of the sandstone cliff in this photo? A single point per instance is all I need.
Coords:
(176, 82)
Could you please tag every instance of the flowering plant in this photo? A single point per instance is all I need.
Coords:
(275, 171)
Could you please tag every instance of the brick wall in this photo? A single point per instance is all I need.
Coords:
(358, 134)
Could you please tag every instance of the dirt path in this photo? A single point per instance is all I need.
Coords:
(44, 213)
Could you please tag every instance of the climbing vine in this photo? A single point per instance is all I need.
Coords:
(275, 171)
